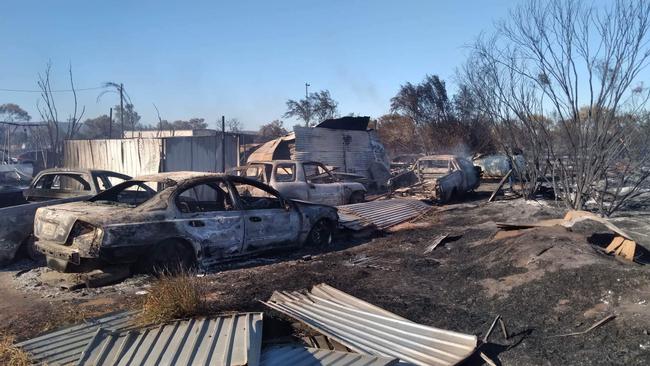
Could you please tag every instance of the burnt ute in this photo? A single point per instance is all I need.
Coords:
(183, 218)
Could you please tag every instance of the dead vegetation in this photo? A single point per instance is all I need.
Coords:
(10, 355)
(174, 297)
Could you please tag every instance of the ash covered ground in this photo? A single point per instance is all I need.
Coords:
(544, 282)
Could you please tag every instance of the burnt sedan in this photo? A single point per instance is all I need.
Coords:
(175, 219)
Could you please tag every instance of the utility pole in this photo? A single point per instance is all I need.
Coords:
(122, 109)
(110, 123)
(223, 144)
(307, 85)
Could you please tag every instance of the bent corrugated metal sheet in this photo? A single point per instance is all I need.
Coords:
(303, 356)
(381, 214)
(368, 329)
(233, 340)
(64, 346)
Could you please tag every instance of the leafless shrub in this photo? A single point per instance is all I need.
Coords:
(10, 355)
(47, 108)
(558, 81)
(174, 297)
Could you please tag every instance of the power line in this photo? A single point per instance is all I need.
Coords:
(53, 91)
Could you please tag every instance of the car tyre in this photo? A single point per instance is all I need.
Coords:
(170, 257)
(320, 234)
(30, 249)
(357, 197)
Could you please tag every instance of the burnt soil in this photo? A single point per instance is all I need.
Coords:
(543, 282)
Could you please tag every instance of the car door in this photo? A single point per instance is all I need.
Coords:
(269, 220)
(289, 181)
(323, 187)
(207, 216)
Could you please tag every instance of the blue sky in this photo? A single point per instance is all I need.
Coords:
(242, 59)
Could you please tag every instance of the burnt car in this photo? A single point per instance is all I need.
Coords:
(177, 219)
(440, 177)
(304, 180)
(49, 187)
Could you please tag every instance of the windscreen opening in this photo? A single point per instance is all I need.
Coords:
(130, 194)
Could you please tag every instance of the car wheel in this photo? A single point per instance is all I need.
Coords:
(357, 197)
(169, 257)
(320, 234)
(30, 249)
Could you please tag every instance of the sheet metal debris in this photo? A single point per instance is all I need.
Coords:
(380, 214)
(303, 356)
(227, 340)
(64, 346)
(368, 329)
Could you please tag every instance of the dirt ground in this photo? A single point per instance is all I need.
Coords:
(543, 282)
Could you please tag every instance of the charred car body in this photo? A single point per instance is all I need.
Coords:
(440, 177)
(308, 181)
(177, 218)
(49, 187)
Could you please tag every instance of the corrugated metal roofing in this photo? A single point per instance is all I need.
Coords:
(382, 214)
(303, 356)
(64, 346)
(368, 329)
(233, 340)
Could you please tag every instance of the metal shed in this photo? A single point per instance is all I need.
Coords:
(358, 150)
(138, 156)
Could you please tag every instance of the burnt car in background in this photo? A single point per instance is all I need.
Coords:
(440, 177)
(177, 219)
(304, 180)
(49, 187)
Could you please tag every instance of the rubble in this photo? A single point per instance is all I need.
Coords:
(438, 177)
(621, 245)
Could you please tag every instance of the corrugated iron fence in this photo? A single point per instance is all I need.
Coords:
(152, 155)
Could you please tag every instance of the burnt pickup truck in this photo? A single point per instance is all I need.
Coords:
(308, 181)
(440, 177)
(49, 187)
(175, 220)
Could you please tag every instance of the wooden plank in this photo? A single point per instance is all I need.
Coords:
(503, 180)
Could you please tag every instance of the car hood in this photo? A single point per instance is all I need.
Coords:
(54, 223)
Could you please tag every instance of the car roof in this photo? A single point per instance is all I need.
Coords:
(439, 157)
(282, 161)
(79, 171)
(175, 176)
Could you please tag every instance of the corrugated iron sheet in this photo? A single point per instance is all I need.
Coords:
(351, 151)
(233, 340)
(64, 346)
(368, 329)
(266, 152)
(303, 356)
(381, 214)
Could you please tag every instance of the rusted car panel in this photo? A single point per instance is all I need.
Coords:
(307, 181)
(49, 187)
(215, 216)
(441, 177)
